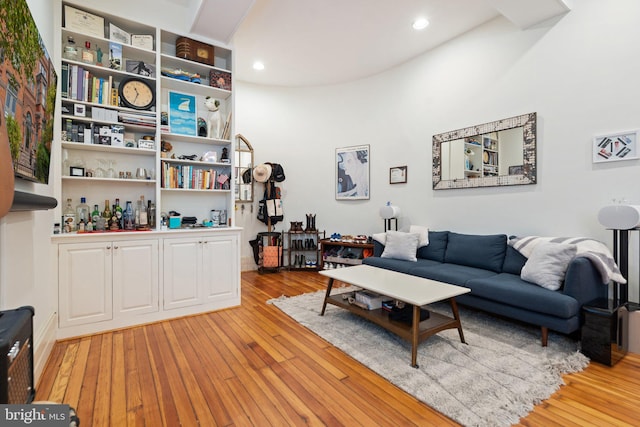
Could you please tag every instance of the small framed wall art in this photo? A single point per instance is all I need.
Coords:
(616, 146)
(398, 175)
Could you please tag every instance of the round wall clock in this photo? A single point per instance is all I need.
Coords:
(136, 93)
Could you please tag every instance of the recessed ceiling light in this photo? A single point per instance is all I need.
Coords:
(420, 24)
(258, 66)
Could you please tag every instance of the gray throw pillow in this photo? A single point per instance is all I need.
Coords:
(547, 264)
(401, 245)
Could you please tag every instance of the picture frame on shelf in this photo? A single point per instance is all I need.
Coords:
(183, 118)
(119, 35)
(352, 173)
(76, 171)
(615, 147)
(83, 22)
(143, 41)
(398, 175)
(115, 56)
(140, 68)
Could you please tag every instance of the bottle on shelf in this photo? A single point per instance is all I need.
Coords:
(69, 216)
(71, 50)
(88, 54)
(117, 210)
(151, 211)
(128, 216)
(106, 214)
(143, 220)
(82, 211)
(96, 217)
(81, 226)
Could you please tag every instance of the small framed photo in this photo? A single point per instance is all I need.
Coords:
(398, 175)
(76, 171)
(616, 146)
(140, 67)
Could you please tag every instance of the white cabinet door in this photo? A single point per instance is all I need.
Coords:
(85, 278)
(135, 277)
(182, 268)
(220, 267)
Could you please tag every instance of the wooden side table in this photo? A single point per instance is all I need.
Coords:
(603, 332)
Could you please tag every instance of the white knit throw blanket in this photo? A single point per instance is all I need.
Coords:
(594, 250)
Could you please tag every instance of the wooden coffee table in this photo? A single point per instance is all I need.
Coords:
(402, 287)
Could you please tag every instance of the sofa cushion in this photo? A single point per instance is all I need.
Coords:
(513, 261)
(401, 245)
(476, 250)
(398, 265)
(450, 273)
(436, 248)
(422, 232)
(547, 264)
(510, 289)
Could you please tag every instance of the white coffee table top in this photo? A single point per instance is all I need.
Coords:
(404, 287)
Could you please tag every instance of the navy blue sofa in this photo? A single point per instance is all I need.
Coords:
(488, 266)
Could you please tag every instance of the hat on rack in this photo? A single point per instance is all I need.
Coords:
(262, 172)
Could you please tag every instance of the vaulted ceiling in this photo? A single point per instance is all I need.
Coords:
(306, 43)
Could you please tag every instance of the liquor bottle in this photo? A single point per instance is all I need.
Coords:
(82, 211)
(88, 54)
(106, 214)
(96, 217)
(118, 212)
(71, 50)
(144, 218)
(69, 216)
(81, 226)
(95, 214)
(151, 211)
(129, 219)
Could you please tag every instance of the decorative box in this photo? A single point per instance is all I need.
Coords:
(194, 50)
(220, 79)
(175, 221)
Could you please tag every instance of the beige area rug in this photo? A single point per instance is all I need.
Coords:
(493, 380)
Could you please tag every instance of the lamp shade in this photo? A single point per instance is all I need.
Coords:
(389, 211)
(620, 217)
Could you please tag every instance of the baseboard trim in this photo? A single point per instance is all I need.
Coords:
(248, 264)
(44, 340)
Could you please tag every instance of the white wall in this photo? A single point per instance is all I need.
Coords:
(579, 72)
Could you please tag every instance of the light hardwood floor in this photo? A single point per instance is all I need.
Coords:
(253, 365)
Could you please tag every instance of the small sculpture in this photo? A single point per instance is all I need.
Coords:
(215, 118)
(225, 155)
(99, 55)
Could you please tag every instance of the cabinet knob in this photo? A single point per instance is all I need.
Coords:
(108, 247)
(115, 247)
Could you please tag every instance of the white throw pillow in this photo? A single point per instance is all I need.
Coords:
(380, 238)
(423, 233)
(547, 264)
(400, 245)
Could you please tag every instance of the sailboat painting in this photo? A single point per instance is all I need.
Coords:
(182, 114)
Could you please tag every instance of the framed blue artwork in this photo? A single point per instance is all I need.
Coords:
(183, 118)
